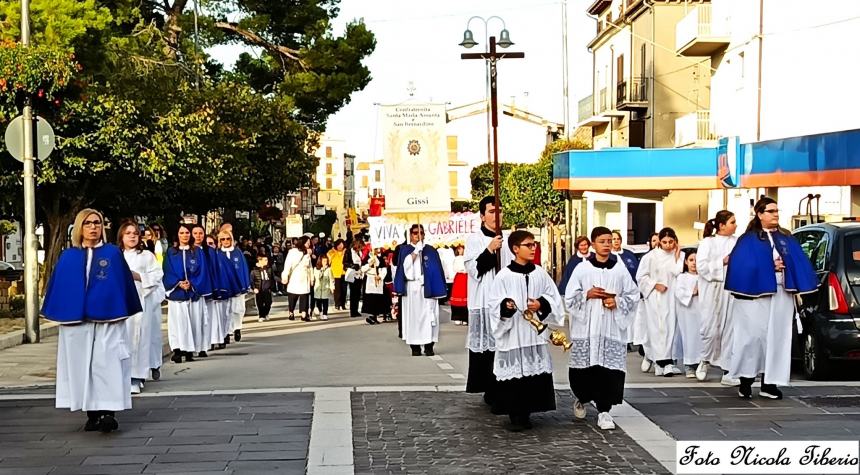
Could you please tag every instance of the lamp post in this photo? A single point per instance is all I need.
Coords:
(31, 263)
(492, 57)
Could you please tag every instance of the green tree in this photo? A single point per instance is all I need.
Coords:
(528, 196)
(482, 178)
(149, 125)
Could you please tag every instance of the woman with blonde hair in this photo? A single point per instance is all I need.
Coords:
(147, 275)
(90, 294)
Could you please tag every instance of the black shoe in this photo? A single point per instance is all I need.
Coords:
(189, 356)
(108, 423)
(203, 354)
(156, 374)
(92, 424)
(237, 335)
(370, 321)
(291, 317)
(770, 391)
(306, 318)
(226, 340)
(177, 356)
(745, 389)
(428, 349)
(518, 423)
(221, 346)
(416, 350)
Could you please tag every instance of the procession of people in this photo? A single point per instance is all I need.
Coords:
(726, 304)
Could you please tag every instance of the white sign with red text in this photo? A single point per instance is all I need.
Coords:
(387, 232)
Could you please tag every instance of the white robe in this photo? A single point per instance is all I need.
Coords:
(762, 337)
(480, 335)
(236, 310)
(420, 314)
(93, 367)
(717, 314)
(184, 330)
(140, 326)
(226, 317)
(660, 268)
(599, 335)
(637, 332)
(688, 311)
(520, 350)
(216, 321)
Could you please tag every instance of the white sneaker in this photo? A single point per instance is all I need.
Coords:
(658, 370)
(702, 371)
(727, 381)
(669, 370)
(690, 373)
(677, 370)
(578, 410)
(324, 317)
(135, 389)
(646, 365)
(605, 422)
(261, 320)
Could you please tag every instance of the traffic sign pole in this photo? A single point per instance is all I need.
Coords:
(31, 262)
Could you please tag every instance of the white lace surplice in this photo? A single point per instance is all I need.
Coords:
(480, 336)
(599, 335)
(520, 350)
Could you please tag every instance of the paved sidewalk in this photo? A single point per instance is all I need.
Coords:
(234, 434)
(806, 413)
(454, 433)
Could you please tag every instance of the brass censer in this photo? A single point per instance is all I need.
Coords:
(556, 337)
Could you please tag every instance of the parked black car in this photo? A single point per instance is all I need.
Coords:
(830, 317)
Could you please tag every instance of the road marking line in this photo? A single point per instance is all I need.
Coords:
(647, 434)
(456, 376)
(330, 448)
(445, 366)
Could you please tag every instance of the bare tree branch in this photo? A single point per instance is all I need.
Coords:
(255, 39)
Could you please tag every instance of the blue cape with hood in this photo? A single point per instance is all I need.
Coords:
(431, 266)
(193, 268)
(109, 296)
(750, 270)
(240, 269)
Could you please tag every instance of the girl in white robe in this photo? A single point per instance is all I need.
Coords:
(147, 276)
(601, 299)
(656, 278)
(637, 332)
(689, 315)
(717, 316)
(420, 314)
(522, 364)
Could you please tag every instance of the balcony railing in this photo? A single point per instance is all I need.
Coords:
(697, 34)
(585, 108)
(603, 98)
(694, 128)
(632, 93)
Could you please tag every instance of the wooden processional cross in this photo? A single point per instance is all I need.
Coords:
(492, 57)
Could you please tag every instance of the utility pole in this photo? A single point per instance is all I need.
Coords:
(31, 264)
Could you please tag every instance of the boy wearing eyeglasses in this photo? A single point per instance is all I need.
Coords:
(522, 365)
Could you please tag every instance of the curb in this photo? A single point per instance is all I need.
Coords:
(16, 337)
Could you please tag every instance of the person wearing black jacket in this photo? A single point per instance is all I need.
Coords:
(277, 264)
(261, 284)
(352, 259)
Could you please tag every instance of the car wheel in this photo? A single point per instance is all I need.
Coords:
(815, 364)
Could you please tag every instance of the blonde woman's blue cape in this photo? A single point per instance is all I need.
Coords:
(110, 295)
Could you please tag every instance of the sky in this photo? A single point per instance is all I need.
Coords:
(418, 44)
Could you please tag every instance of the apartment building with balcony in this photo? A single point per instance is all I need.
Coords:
(643, 96)
(782, 72)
